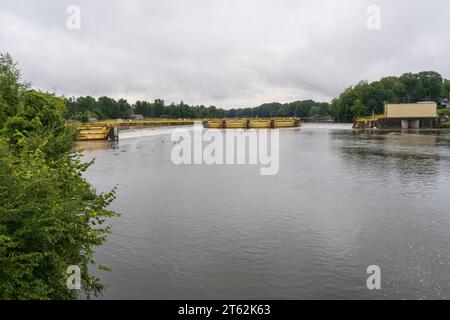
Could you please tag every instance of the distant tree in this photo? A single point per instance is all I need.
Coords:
(358, 109)
(445, 89)
(314, 111)
(394, 89)
(142, 108)
(109, 107)
(412, 87)
(158, 108)
(320, 110)
(431, 85)
(124, 109)
(283, 111)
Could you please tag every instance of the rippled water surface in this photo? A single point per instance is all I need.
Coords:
(340, 202)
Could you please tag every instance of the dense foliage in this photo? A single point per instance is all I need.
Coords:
(367, 98)
(50, 216)
(85, 108)
(303, 109)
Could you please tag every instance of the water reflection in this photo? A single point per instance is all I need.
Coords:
(405, 154)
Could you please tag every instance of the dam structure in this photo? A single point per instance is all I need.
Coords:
(109, 129)
(256, 123)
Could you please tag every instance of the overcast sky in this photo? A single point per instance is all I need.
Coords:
(228, 53)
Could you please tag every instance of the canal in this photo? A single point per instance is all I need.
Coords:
(341, 201)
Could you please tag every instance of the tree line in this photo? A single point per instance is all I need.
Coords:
(361, 100)
(303, 109)
(85, 108)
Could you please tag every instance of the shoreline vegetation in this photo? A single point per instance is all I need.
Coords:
(51, 218)
(359, 101)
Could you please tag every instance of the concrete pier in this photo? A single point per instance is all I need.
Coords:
(405, 124)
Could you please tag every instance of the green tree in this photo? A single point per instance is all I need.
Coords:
(158, 108)
(412, 87)
(10, 87)
(431, 85)
(109, 107)
(50, 216)
(142, 108)
(125, 108)
(446, 88)
(358, 109)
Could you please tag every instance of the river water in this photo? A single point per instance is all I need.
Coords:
(341, 201)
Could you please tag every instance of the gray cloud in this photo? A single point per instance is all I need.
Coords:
(224, 52)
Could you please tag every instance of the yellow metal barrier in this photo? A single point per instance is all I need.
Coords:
(108, 129)
(259, 123)
(132, 123)
(96, 132)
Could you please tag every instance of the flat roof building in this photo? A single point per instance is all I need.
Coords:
(411, 115)
(419, 110)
